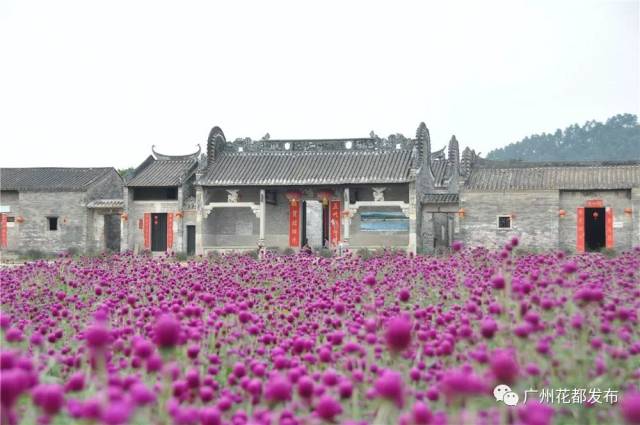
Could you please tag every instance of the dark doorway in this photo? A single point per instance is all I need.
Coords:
(325, 225)
(191, 240)
(158, 232)
(594, 229)
(303, 224)
(112, 232)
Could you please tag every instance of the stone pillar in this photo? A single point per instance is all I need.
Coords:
(346, 218)
(263, 211)
(412, 248)
(199, 220)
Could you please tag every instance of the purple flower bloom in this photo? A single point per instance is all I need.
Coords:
(390, 386)
(278, 389)
(167, 331)
(535, 413)
(328, 408)
(630, 408)
(398, 333)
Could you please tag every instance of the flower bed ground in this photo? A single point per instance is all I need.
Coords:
(302, 339)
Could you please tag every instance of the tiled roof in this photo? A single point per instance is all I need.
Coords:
(163, 173)
(309, 167)
(50, 179)
(442, 170)
(106, 203)
(440, 198)
(532, 177)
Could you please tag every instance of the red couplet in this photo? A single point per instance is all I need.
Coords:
(580, 230)
(294, 224)
(335, 222)
(3, 231)
(147, 230)
(608, 226)
(169, 231)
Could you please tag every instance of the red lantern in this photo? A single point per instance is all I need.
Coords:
(325, 195)
(595, 215)
(562, 213)
(179, 214)
(628, 211)
(461, 213)
(293, 196)
(19, 219)
(124, 216)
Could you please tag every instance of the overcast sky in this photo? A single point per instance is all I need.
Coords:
(96, 83)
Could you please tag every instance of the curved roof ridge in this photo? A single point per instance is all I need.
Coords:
(163, 157)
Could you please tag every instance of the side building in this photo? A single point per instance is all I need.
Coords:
(160, 208)
(57, 209)
(572, 206)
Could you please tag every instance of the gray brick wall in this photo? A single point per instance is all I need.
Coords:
(72, 215)
(535, 220)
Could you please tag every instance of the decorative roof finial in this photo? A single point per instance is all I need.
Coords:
(454, 151)
(215, 144)
(423, 141)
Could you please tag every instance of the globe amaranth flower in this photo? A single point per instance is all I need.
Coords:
(630, 408)
(278, 389)
(398, 333)
(504, 366)
(390, 386)
(167, 331)
(328, 408)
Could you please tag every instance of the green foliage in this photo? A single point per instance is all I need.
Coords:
(325, 252)
(616, 140)
(125, 173)
(288, 251)
(181, 256)
(73, 251)
(35, 254)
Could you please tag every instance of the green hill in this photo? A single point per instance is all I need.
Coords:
(618, 139)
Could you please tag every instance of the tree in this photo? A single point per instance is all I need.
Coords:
(618, 139)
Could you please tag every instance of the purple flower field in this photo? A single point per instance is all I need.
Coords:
(389, 339)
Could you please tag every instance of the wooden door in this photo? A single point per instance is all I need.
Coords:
(158, 232)
(191, 240)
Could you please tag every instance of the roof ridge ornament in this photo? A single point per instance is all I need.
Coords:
(163, 157)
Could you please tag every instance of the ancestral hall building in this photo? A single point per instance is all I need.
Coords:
(335, 193)
(361, 193)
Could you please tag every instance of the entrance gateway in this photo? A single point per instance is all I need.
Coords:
(594, 226)
(314, 223)
(158, 231)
